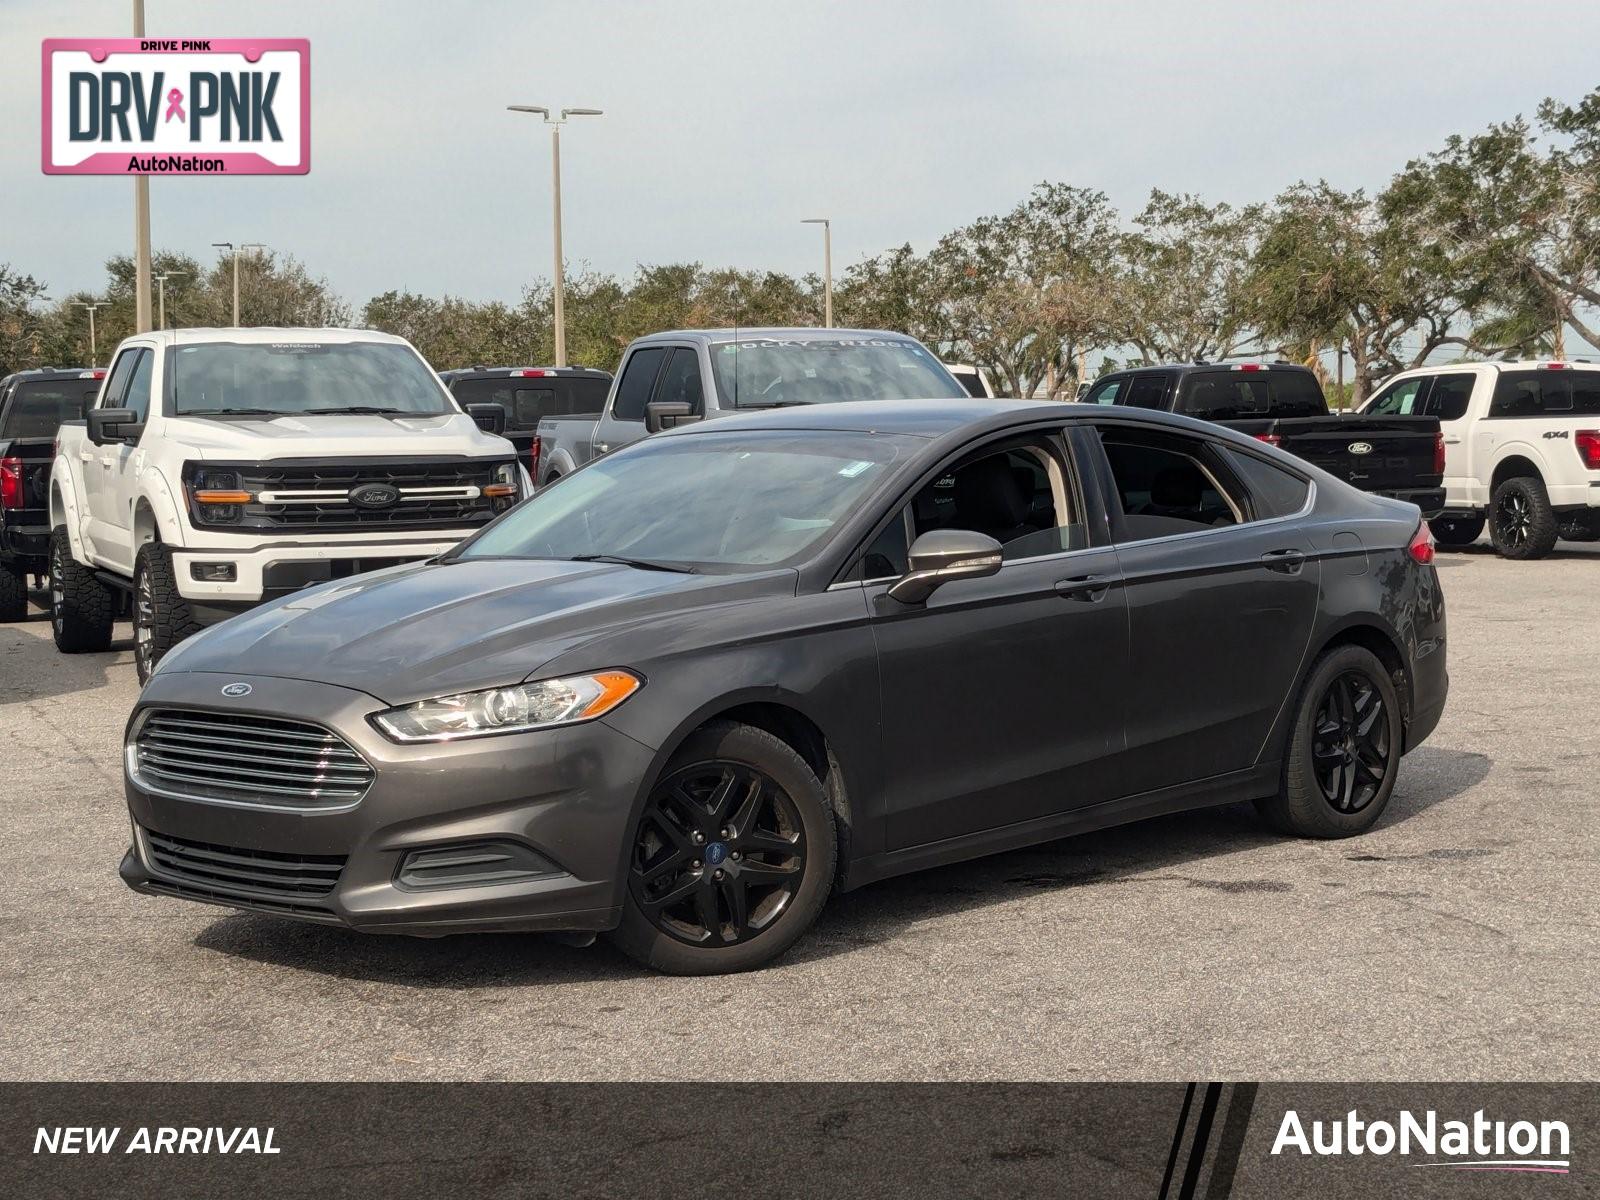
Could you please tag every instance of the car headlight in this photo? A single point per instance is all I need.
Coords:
(513, 709)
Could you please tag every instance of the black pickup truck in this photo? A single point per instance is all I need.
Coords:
(32, 406)
(528, 395)
(1283, 404)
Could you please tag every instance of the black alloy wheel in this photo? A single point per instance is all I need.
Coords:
(144, 617)
(720, 854)
(1513, 520)
(1522, 524)
(1351, 743)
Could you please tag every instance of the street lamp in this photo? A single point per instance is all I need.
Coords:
(161, 292)
(234, 250)
(555, 124)
(94, 352)
(827, 267)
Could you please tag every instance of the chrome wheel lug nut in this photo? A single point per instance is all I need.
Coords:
(695, 865)
(736, 856)
(717, 875)
(699, 838)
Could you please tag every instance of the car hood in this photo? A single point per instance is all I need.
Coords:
(333, 435)
(430, 629)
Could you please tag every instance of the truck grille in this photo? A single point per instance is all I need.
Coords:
(242, 759)
(228, 871)
(296, 496)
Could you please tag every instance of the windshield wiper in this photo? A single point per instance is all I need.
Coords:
(644, 564)
(236, 412)
(367, 410)
(779, 404)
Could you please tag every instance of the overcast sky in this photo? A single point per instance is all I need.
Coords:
(728, 122)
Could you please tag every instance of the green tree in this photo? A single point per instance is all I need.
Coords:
(22, 319)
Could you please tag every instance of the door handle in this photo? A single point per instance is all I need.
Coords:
(1287, 561)
(1083, 587)
(1452, 441)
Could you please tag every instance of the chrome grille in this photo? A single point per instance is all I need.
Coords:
(227, 871)
(240, 759)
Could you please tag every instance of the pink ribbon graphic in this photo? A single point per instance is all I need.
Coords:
(175, 105)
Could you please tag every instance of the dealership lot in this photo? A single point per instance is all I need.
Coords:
(1457, 940)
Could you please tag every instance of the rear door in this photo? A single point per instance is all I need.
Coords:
(122, 463)
(1449, 398)
(1222, 592)
(96, 463)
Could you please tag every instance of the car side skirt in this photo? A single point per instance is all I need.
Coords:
(1252, 783)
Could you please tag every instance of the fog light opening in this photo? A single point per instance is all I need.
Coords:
(214, 572)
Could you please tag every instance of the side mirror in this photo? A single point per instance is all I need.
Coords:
(490, 418)
(941, 555)
(664, 414)
(108, 425)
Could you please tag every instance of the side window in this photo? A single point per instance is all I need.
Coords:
(117, 383)
(1164, 486)
(1403, 399)
(1274, 492)
(1104, 392)
(885, 558)
(1585, 392)
(1147, 391)
(1450, 395)
(638, 380)
(1017, 496)
(138, 398)
(680, 382)
(1226, 395)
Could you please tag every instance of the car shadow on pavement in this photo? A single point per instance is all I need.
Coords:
(68, 673)
(1142, 852)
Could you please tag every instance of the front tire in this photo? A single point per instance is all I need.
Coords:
(1456, 532)
(1522, 524)
(161, 616)
(1344, 749)
(81, 607)
(13, 593)
(731, 859)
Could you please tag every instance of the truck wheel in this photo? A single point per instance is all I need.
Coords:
(161, 616)
(81, 607)
(13, 593)
(1344, 749)
(1456, 531)
(1521, 522)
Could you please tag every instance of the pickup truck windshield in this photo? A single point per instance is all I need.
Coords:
(273, 378)
(37, 409)
(767, 372)
(702, 501)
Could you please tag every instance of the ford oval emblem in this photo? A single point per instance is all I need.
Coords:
(1360, 447)
(374, 495)
(234, 690)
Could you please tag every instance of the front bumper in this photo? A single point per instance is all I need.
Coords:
(566, 794)
(266, 571)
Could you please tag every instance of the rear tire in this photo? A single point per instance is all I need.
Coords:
(1522, 524)
(1344, 749)
(731, 860)
(1456, 532)
(13, 593)
(81, 607)
(161, 616)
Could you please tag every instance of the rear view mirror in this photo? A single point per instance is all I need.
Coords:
(942, 555)
(664, 414)
(107, 425)
(490, 418)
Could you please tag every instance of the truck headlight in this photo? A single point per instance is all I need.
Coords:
(216, 496)
(515, 709)
(502, 493)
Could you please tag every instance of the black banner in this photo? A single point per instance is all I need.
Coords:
(1172, 1141)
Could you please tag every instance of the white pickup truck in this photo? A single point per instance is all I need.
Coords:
(1522, 449)
(218, 468)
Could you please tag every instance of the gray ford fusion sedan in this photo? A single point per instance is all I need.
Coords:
(690, 690)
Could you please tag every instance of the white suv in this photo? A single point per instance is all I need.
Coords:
(219, 468)
(1522, 449)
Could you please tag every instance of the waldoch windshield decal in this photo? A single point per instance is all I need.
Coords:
(155, 106)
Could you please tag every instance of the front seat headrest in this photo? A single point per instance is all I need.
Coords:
(989, 495)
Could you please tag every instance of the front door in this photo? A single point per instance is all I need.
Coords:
(1002, 696)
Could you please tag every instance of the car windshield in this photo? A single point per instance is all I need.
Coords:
(37, 409)
(702, 501)
(766, 372)
(290, 377)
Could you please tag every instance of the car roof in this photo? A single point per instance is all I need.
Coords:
(263, 335)
(1190, 367)
(761, 333)
(1516, 364)
(51, 374)
(463, 372)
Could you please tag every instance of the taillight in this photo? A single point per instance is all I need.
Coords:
(1588, 443)
(1421, 547)
(533, 461)
(1438, 454)
(1271, 439)
(10, 483)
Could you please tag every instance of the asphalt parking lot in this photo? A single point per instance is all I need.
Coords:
(1456, 940)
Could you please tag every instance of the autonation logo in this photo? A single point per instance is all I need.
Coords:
(1480, 1144)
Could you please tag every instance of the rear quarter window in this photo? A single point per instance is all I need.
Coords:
(1525, 394)
(1296, 394)
(1274, 491)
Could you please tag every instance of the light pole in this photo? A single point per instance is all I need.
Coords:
(231, 249)
(827, 267)
(141, 222)
(94, 351)
(161, 296)
(555, 124)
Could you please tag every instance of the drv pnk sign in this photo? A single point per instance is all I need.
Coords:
(156, 106)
